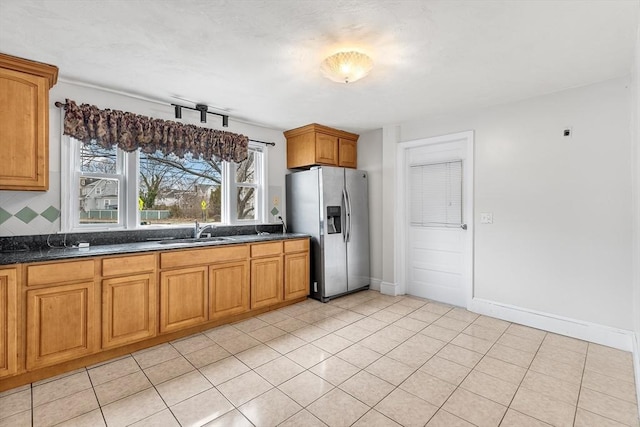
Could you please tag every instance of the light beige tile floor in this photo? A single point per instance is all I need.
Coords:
(365, 360)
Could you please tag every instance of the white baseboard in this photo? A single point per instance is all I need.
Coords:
(592, 332)
(388, 288)
(374, 284)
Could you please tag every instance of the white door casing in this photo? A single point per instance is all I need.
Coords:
(435, 262)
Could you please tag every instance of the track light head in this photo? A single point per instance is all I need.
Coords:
(178, 111)
(225, 121)
(203, 112)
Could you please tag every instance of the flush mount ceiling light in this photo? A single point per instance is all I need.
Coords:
(346, 67)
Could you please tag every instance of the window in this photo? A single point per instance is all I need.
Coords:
(98, 180)
(246, 186)
(136, 190)
(436, 194)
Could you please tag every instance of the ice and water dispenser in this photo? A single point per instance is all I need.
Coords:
(334, 219)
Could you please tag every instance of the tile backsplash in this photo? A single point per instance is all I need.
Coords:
(31, 212)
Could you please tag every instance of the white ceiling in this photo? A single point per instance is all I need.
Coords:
(261, 59)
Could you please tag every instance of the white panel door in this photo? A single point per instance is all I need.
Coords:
(438, 206)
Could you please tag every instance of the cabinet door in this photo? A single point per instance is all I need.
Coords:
(326, 149)
(61, 324)
(266, 281)
(296, 275)
(348, 153)
(24, 129)
(183, 298)
(228, 289)
(129, 309)
(8, 318)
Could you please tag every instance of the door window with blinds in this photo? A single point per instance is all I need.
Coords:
(436, 194)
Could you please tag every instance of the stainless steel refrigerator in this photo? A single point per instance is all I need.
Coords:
(331, 205)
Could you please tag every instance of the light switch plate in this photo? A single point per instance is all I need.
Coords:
(486, 217)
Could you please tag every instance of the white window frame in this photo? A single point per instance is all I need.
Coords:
(260, 184)
(128, 170)
(70, 191)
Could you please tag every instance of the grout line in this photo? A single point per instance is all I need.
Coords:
(33, 409)
(584, 365)
(441, 407)
(96, 395)
(523, 377)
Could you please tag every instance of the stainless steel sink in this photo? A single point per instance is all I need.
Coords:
(191, 241)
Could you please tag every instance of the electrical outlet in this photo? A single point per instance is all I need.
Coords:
(486, 217)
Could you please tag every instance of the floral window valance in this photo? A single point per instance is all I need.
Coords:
(129, 132)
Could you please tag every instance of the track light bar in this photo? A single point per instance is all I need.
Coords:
(204, 110)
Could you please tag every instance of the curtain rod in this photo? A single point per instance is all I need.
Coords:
(273, 144)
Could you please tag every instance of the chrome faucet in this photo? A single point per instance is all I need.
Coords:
(198, 230)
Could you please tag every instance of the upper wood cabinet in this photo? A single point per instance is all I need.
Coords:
(8, 321)
(348, 153)
(315, 144)
(24, 123)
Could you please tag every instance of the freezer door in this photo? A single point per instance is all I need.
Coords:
(333, 247)
(358, 229)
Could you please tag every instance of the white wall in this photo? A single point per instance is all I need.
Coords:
(561, 238)
(14, 201)
(369, 156)
(635, 133)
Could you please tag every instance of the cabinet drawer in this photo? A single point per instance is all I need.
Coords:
(128, 265)
(296, 245)
(266, 249)
(203, 256)
(61, 272)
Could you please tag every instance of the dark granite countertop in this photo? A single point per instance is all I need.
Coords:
(60, 253)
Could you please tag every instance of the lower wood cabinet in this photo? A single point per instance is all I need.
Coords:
(8, 322)
(228, 289)
(129, 299)
(54, 312)
(184, 298)
(296, 275)
(128, 309)
(62, 323)
(266, 281)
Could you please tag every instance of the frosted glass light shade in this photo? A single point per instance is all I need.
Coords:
(346, 67)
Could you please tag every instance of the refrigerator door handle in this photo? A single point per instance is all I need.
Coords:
(345, 228)
(348, 215)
